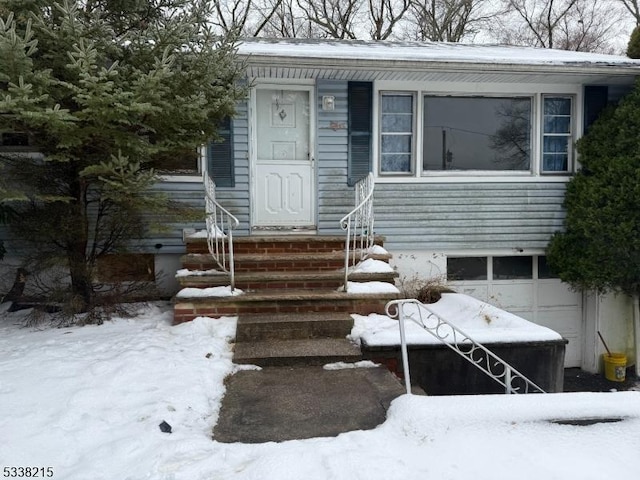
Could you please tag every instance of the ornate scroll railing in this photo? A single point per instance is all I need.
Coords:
(511, 379)
(220, 226)
(359, 225)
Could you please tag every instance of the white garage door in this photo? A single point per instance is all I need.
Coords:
(523, 286)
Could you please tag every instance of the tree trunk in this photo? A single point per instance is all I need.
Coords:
(636, 329)
(81, 283)
(18, 287)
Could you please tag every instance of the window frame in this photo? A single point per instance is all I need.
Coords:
(453, 88)
(571, 137)
(414, 133)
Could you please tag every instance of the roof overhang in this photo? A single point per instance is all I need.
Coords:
(431, 62)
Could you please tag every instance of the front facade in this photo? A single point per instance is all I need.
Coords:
(471, 149)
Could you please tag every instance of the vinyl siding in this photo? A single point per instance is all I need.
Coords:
(335, 197)
(482, 216)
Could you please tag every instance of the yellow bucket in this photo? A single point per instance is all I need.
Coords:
(615, 366)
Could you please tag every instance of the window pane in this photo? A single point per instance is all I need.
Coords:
(512, 268)
(543, 269)
(397, 103)
(395, 163)
(180, 162)
(467, 268)
(397, 123)
(556, 144)
(477, 133)
(396, 144)
(557, 124)
(557, 106)
(555, 162)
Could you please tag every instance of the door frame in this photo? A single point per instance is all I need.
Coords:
(308, 87)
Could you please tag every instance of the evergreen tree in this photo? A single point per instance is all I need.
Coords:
(633, 49)
(102, 89)
(600, 247)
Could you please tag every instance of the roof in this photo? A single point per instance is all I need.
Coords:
(332, 58)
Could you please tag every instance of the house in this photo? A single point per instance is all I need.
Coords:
(470, 146)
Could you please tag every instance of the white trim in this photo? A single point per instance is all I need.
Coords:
(277, 83)
(181, 178)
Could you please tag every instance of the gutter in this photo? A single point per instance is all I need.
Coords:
(453, 65)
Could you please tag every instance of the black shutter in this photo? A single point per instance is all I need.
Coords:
(360, 105)
(220, 162)
(595, 100)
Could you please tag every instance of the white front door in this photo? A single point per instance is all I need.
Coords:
(283, 173)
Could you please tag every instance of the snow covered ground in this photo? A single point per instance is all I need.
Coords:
(87, 402)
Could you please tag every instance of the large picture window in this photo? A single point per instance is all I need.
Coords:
(396, 133)
(477, 133)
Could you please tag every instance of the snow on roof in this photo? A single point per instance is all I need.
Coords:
(427, 52)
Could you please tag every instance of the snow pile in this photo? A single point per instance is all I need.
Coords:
(185, 272)
(215, 233)
(370, 287)
(377, 250)
(372, 266)
(345, 365)
(193, 292)
(482, 322)
(88, 401)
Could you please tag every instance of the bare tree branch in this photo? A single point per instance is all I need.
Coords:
(385, 15)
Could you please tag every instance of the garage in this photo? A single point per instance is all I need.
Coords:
(523, 285)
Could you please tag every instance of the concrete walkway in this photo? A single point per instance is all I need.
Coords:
(286, 403)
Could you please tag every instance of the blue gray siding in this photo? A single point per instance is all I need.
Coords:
(468, 216)
(335, 197)
(236, 199)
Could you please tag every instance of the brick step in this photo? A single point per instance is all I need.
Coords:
(279, 244)
(330, 279)
(254, 328)
(280, 301)
(263, 263)
(296, 352)
(275, 262)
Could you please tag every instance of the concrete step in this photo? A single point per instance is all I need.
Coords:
(280, 301)
(330, 279)
(278, 353)
(255, 328)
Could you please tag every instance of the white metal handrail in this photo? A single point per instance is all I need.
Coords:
(220, 225)
(359, 225)
(459, 342)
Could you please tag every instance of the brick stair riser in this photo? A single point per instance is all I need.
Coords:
(293, 246)
(272, 248)
(270, 266)
(185, 312)
(293, 331)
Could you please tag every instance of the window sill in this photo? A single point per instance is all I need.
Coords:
(181, 178)
(477, 178)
